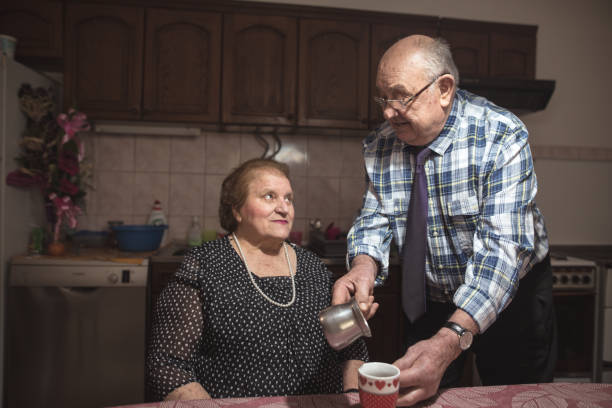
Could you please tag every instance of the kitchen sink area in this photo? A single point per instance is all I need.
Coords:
(173, 252)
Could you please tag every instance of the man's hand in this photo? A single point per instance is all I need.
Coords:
(423, 366)
(359, 281)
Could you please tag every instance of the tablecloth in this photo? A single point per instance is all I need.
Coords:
(550, 395)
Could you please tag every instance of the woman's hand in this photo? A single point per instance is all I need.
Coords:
(359, 281)
(350, 376)
(190, 391)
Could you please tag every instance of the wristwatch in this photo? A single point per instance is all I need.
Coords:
(465, 336)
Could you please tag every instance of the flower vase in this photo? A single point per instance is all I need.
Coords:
(56, 248)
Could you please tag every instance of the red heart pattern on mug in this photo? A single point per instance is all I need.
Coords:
(395, 382)
(363, 380)
(380, 384)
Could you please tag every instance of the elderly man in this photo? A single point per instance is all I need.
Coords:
(451, 180)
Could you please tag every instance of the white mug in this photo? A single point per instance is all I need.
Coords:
(378, 385)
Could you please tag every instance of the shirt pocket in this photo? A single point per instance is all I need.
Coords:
(395, 209)
(464, 213)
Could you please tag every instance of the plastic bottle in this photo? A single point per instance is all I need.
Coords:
(194, 236)
(157, 216)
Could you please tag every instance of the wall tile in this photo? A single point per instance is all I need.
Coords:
(86, 222)
(213, 223)
(114, 193)
(178, 226)
(352, 157)
(345, 223)
(301, 224)
(300, 193)
(101, 221)
(186, 173)
(222, 152)
(351, 196)
(91, 198)
(294, 153)
(186, 194)
(89, 144)
(148, 187)
(251, 148)
(114, 152)
(324, 156)
(152, 153)
(323, 197)
(188, 154)
(212, 195)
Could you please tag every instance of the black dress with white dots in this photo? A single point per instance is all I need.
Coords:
(212, 326)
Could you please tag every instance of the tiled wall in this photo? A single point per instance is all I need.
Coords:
(185, 174)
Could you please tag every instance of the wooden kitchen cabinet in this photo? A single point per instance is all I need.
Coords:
(384, 36)
(333, 73)
(182, 66)
(37, 25)
(491, 49)
(161, 273)
(469, 45)
(512, 54)
(259, 69)
(108, 54)
(103, 63)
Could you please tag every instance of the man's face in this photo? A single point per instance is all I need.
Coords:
(422, 119)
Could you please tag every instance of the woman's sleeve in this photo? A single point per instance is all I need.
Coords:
(176, 330)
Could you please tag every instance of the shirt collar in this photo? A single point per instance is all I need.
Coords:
(444, 139)
(449, 131)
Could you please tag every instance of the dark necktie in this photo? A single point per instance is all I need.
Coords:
(415, 244)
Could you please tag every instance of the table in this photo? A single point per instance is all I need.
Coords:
(550, 395)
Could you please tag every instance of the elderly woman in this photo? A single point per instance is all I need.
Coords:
(240, 317)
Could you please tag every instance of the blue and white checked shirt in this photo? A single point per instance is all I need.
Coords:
(484, 230)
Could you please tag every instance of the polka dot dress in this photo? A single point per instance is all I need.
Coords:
(212, 326)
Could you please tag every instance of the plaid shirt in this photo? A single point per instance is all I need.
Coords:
(484, 230)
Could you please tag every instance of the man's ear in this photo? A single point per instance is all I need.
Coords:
(446, 84)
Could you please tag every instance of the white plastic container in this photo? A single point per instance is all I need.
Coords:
(194, 235)
(157, 216)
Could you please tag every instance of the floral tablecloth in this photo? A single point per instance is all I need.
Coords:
(552, 395)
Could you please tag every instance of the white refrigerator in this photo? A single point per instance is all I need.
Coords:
(20, 209)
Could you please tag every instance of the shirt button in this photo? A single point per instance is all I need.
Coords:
(446, 292)
(435, 233)
(440, 266)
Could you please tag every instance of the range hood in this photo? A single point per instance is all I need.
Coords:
(517, 95)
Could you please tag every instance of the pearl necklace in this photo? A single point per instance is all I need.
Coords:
(253, 279)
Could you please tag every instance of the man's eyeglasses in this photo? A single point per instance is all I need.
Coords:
(401, 104)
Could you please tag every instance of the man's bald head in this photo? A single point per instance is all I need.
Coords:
(416, 83)
(419, 52)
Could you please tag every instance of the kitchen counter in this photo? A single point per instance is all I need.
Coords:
(89, 256)
(174, 252)
(601, 254)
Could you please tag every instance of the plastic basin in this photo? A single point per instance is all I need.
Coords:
(136, 238)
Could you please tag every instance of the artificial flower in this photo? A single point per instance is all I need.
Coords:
(52, 156)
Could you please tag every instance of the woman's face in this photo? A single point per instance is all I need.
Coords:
(268, 210)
